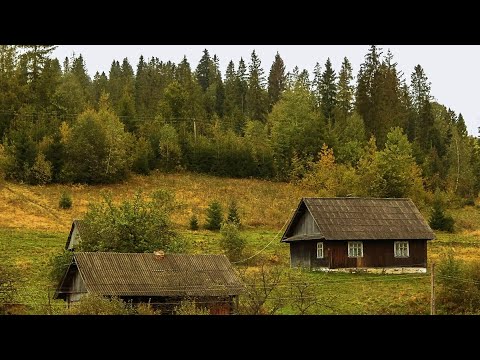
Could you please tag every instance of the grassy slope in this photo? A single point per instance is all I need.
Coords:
(32, 228)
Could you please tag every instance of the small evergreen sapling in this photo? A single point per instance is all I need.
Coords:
(233, 216)
(193, 225)
(65, 201)
(214, 216)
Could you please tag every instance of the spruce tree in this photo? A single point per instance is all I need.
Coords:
(328, 92)
(203, 71)
(345, 89)
(276, 80)
(214, 216)
(256, 97)
(364, 102)
(438, 219)
(233, 216)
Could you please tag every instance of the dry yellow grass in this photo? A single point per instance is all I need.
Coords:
(263, 204)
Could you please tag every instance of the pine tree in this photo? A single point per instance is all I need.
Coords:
(345, 95)
(461, 127)
(438, 219)
(364, 95)
(193, 223)
(420, 88)
(256, 97)
(79, 70)
(233, 216)
(203, 71)
(214, 216)
(242, 85)
(317, 84)
(276, 80)
(328, 92)
(35, 56)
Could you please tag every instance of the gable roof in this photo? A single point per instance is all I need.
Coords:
(79, 224)
(144, 274)
(361, 219)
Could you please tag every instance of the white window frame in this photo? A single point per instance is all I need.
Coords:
(320, 250)
(354, 246)
(395, 249)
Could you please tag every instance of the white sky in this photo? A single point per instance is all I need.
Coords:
(453, 70)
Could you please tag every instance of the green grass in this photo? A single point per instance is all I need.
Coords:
(29, 252)
(33, 229)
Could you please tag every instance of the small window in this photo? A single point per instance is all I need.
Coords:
(355, 249)
(320, 250)
(401, 249)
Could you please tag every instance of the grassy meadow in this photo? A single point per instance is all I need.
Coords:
(33, 228)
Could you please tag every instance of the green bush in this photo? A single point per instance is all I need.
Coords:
(59, 264)
(469, 202)
(214, 216)
(459, 286)
(193, 224)
(232, 242)
(65, 201)
(190, 307)
(138, 225)
(92, 304)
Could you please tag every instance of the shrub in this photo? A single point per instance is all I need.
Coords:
(232, 242)
(469, 202)
(190, 307)
(59, 264)
(193, 225)
(459, 286)
(137, 225)
(41, 171)
(65, 201)
(92, 304)
(214, 216)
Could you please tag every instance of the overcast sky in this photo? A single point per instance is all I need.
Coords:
(453, 70)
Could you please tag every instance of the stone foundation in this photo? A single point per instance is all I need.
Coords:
(389, 270)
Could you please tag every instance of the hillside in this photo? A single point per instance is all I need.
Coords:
(33, 229)
(263, 204)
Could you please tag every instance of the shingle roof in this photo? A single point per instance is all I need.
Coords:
(362, 219)
(144, 274)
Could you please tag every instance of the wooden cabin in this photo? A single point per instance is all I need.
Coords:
(389, 235)
(163, 280)
(74, 237)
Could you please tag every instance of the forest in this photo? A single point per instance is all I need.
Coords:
(342, 134)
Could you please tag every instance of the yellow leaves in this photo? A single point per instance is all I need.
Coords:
(65, 132)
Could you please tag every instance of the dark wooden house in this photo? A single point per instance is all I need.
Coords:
(163, 280)
(351, 233)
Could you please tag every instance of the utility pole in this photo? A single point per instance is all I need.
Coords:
(432, 302)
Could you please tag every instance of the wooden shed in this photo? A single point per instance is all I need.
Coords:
(163, 280)
(389, 235)
(75, 235)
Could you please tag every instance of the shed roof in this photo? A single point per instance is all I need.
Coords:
(144, 274)
(362, 219)
(80, 225)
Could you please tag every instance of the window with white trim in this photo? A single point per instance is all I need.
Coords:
(355, 249)
(319, 250)
(401, 249)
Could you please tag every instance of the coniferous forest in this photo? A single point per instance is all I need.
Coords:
(374, 133)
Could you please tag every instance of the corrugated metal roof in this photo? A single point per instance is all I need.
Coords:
(144, 274)
(363, 219)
